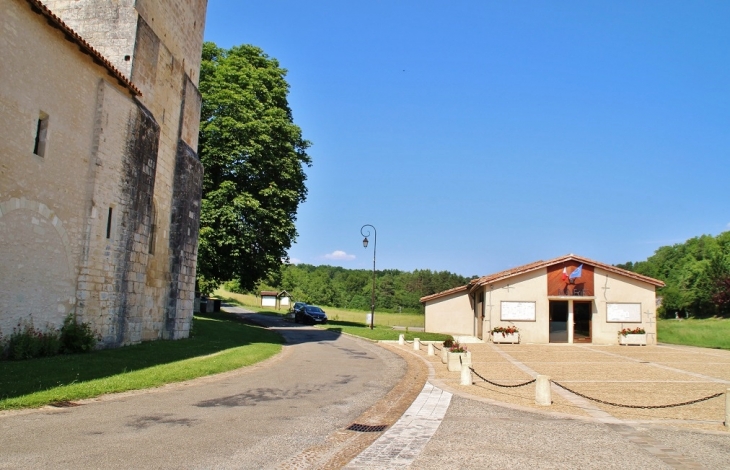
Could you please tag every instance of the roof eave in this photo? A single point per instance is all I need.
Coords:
(71, 35)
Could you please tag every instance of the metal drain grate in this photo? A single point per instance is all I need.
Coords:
(367, 427)
(64, 404)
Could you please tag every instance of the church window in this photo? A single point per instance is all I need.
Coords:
(153, 229)
(41, 134)
(109, 224)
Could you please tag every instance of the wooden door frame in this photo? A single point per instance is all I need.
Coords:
(590, 321)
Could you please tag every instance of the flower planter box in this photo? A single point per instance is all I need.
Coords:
(444, 354)
(512, 338)
(454, 360)
(632, 340)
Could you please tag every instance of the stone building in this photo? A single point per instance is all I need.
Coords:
(569, 299)
(100, 182)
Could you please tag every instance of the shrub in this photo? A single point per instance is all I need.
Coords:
(457, 348)
(505, 330)
(76, 337)
(448, 343)
(636, 331)
(192, 332)
(28, 342)
(233, 286)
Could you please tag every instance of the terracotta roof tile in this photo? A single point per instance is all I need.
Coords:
(84, 46)
(490, 278)
(444, 293)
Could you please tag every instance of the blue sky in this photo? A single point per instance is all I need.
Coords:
(480, 135)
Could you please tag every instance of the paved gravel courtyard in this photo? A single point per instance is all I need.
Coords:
(487, 426)
(631, 375)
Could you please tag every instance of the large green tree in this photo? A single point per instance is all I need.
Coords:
(697, 274)
(254, 158)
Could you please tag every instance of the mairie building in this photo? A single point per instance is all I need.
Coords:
(100, 181)
(569, 299)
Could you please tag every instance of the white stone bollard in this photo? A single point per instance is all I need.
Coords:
(431, 351)
(542, 391)
(416, 344)
(465, 374)
(727, 409)
(444, 353)
(401, 339)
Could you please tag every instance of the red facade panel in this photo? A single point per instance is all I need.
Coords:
(581, 286)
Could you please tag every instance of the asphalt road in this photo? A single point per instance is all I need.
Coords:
(256, 417)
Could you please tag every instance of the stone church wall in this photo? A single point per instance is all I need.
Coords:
(124, 194)
(44, 200)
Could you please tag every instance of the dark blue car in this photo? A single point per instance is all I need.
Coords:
(310, 314)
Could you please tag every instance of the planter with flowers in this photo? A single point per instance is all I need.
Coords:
(455, 356)
(505, 334)
(629, 337)
(445, 350)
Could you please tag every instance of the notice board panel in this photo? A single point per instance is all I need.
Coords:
(623, 313)
(517, 311)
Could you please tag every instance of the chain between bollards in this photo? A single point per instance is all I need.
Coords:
(641, 407)
(500, 385)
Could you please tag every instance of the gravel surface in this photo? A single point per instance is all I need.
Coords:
(476, 435)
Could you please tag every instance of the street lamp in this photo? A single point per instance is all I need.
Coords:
(375, 246)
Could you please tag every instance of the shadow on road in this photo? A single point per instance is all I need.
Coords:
(293, 333)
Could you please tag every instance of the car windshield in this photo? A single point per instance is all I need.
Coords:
(313, 310)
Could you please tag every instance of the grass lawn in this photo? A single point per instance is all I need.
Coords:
(336, 314)
(380, 332)
(350, 321)
(706, 333)
(221, 343)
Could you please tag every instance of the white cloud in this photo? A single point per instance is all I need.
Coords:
(339, 255)
(294, 261)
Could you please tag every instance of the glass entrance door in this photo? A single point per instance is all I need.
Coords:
(558, 321)
(582, 316)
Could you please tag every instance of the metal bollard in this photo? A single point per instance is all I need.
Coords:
(466, 378)
(431, 351)
(401, 339)
(727, 409)
(542, 391)
(416, 344)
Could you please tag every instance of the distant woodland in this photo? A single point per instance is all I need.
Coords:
(696, 273)
(395, 291)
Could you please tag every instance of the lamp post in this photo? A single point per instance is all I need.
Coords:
(375, 246)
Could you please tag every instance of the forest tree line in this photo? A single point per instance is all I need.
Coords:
(696, 273)
(395, 290)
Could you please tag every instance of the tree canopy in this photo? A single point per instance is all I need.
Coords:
(254, 157)
(696, 273)
(351, 288)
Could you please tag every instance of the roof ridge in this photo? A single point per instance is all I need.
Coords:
(529, 267)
